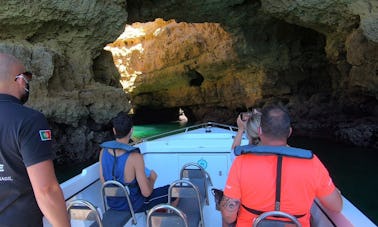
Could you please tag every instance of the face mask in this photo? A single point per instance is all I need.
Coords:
(24, 98)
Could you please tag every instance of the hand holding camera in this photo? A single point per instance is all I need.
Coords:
(244, 116)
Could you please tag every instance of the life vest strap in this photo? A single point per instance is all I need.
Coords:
(277, 202)
(259, 212)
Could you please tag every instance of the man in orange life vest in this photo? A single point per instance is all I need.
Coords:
(251, 185)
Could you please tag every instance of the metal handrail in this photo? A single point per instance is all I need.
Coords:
(276, 213)
(197, 193)
(87, 204)
(125, 193)
(186, 129)
(205, 175)
(168, 207)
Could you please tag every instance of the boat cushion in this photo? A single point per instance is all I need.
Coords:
(190, 208)
(197, 177)
(166, 219)
(113, 218)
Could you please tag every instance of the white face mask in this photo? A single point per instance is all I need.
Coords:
(24, 98)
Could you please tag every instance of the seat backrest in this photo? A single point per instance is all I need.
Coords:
(163, 215)
(189, 200)
(198, 176)
(112, 188)
(263, 221)
(80, 209)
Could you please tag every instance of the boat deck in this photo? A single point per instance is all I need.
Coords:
(210, 148)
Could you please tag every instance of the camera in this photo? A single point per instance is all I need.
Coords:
(245, 116)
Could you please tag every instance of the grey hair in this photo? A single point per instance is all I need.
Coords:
(252, 126)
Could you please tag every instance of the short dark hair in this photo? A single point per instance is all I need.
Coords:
(275, 121)
(122, 124)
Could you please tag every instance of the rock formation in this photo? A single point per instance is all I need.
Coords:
(317, 57)
(213, 59)
(62, 42)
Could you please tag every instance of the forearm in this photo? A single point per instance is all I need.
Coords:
(152, 178)
(333, 201)
(48, 193)
(237, 139)
(229, 209)
(52, 204)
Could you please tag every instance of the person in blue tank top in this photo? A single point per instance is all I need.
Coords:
(124, 163)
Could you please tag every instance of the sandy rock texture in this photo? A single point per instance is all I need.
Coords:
(62, 42)
(217, 58)
(211, 58)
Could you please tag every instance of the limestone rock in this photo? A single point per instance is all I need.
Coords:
(275, 50)
(59, 41)
(211, 58)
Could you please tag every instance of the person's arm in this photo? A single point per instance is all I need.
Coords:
(229, 209)
(48, 193)
(333, 201)
(146, 184)
(327, 193)
(239, 134)
(100, 162)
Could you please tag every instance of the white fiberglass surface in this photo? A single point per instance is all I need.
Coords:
(167, 155)
(195, 141)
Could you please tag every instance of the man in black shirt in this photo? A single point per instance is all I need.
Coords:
(28, 185)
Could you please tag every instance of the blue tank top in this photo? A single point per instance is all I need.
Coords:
(116, 165)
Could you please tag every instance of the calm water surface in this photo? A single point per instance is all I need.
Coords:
(353, 169)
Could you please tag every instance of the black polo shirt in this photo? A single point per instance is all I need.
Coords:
(25, 140)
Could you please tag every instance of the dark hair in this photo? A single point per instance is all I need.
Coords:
(122, 124)
(275, 121)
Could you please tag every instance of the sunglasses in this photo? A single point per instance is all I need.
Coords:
(27, 76)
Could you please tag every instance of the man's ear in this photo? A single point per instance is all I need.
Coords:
(131, 132)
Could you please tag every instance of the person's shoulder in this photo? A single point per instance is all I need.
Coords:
(32, 113)
(136, 155)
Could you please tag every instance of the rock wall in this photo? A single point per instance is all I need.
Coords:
(211, 58)
(59, 41)
(216, 59)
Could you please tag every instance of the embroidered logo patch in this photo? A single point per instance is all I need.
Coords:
(45, 134)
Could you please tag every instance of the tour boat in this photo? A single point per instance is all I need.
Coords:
(205, 145)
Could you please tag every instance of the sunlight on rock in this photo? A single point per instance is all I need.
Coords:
(186, 59)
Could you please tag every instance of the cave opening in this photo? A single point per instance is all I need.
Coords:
(161, 64)
(195, 77)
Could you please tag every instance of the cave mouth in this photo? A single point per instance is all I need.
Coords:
(195, 77)
(172, 65)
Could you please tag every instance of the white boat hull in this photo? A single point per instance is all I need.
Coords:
(208, 147)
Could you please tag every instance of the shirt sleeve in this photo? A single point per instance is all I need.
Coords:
(325, 183)
(35, 140)
(232, 188)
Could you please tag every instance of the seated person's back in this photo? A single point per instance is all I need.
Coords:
(251, 184)
(124, 163)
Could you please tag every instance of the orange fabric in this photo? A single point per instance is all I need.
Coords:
(252, 180)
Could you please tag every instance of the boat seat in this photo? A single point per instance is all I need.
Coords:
(83, 210)
(163, 215)
(263, 221)
(113, 217)
(189, 201)
(199, 177)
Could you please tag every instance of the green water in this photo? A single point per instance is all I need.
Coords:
(353, 169)
(143, 131)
